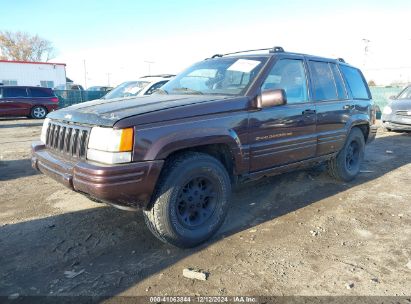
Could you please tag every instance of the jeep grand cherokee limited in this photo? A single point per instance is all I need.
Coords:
(229, 118)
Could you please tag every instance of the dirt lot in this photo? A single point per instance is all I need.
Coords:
(301, 233)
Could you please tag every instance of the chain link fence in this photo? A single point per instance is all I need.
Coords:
(71, 97)
(67, 98)
(381, 95)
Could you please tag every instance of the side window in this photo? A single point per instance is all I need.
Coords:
(323, 81)
(288, 74)
(47, 83)
(14, 92)
(342, 93)
(40, 92)
(355, 82)
(1, 93)
(155, 87)
(9, 82)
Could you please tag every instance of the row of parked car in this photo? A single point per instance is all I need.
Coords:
(37, 102)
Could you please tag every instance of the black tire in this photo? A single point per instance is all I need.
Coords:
(346, 165)
(38, 112)
(191, 200)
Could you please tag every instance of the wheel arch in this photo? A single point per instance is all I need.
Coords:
(361, 123)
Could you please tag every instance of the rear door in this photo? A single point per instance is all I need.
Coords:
(15, 101)
(284, 134)
(333, 105)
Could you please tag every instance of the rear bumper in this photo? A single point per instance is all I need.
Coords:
(127, 186)
(52, 107)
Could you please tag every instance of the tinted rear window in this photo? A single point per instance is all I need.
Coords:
(14, 92)
(41, 92)
(323, 81)
(355, 82)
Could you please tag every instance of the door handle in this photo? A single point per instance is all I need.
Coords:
(309, 111)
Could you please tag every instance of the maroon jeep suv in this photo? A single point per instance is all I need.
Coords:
(229, 118)
(33, 102)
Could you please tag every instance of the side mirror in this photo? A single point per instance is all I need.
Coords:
(271, 98)
(392, 97)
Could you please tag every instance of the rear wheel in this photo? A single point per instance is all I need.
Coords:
(38, 112)
(346, 165)
(191, 200)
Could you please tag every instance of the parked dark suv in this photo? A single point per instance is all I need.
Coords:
(34, 102)
(230, 118)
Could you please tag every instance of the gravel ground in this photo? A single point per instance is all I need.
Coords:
(300, 233)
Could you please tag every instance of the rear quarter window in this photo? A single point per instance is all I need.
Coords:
(41, 92)
(356, 82)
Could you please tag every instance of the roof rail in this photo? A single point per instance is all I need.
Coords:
(341, 60)
(159, 75)
(276, 49)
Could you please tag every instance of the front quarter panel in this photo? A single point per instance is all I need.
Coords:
(158, 141)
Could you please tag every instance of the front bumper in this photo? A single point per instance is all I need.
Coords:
(396, 126)
(127, 186)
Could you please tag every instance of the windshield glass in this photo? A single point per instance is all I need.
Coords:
(221, 76)
(127, 89)
(406, 94)
(94, 89)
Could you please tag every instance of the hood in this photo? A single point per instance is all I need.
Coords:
(400, 104)
(107, 112)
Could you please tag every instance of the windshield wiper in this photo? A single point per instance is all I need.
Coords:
(188, 90)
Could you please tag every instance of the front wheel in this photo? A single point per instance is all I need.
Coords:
(191, 200)
(38, 112)
(346, 165)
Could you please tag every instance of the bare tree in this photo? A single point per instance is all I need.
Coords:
(25, 47)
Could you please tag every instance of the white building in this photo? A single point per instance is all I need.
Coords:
(24, 73)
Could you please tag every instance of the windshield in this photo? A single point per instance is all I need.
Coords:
(221, 76)
(94, 89)
(406, 94)
(127, 89)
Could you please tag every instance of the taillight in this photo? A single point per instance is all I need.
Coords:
(54, 99)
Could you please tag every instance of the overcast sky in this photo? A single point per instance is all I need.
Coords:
(115, 38)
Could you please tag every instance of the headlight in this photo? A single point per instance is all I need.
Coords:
(44, 130)
(387, 110)
(110, 146)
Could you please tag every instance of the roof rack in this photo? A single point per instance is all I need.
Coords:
(341, 60)
(159, 75)
(276, 49)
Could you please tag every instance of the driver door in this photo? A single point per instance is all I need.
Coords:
(284, 134)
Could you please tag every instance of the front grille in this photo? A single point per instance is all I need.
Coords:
(403, 113)
(68, 139)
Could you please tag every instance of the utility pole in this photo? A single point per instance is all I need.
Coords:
(85, 74)
(149, 66)
(108, 79)
(366, 49)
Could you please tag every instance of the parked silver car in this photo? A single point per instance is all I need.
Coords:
(396, 115)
